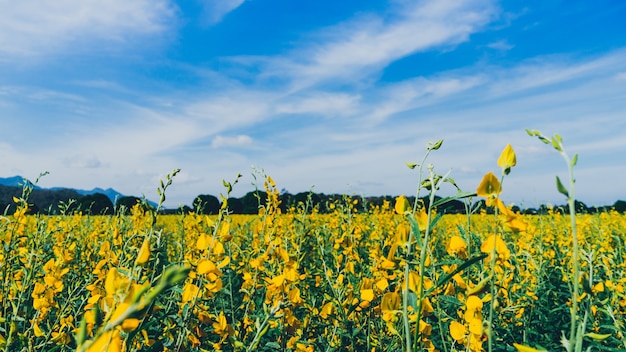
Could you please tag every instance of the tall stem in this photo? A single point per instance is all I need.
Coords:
(575, 294)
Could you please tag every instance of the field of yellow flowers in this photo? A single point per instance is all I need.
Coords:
(400, 277)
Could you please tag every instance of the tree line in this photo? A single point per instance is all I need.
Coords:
(67, 201)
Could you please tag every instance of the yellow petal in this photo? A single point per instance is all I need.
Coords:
(507, 158)
(489, 186)
(476, 326)
(457, 331)
(456, 245)
(402, 205)
(206, 266)
(218, 248)
(390, 302)
(110, 341)
(203, 242)
(382, 284)
(144, 252)
(367, 295)
(37, 329)
(474, 303)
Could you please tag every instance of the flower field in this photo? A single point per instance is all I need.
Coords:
(398, 277)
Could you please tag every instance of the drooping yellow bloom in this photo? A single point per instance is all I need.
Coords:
(367, 295)
(402, 205)
(203, 242)
(110, 341)
(457, 331)
(502, 250)
(513, 221)
(489, 188)
(115, 284)
(144, 252)
(507, 159)
(457, 246)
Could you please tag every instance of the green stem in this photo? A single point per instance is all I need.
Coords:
(575, 293)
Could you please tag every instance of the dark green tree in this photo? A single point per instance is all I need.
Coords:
(235, 205)
(124, 204)
(252, 201)
(206, 204)
(95, 204)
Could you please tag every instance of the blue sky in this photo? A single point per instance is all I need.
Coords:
(330, 95)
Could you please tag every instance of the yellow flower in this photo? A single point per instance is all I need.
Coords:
(37, 330)
(327, 310)
(473, 304)
(144, 252)
(422, 219)
(513, 221)
(367, 295)
(476, 326)
(501, 249)
(389, 305)
(110, 341)
(489, 187)
(507, 159)
(115, 283)
(457, 246)
(203, 242)
(221, 326)
(402, 205)
(457, 331)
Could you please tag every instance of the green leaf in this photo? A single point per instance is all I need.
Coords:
(410, 165)
(434, 222)
(459, 195)
(436, 145)
(445, 279)
(574, 160)
(597, 337)
(544, 139)
(561, 188)
(555, 144)
(415, 230)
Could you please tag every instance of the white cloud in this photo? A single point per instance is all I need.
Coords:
(371, 42)
(215, 10)
(236, 141)
(82, 162)
(325, 104)
(37, 27)
(500, 45)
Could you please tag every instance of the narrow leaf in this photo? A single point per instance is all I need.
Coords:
(443, 280)
(597, 337)
(460, 195)
(561, 188)
(574, 160)
(415, 230)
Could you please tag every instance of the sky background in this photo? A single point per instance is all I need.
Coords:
(333, 96)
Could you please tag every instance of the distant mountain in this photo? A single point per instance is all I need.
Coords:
(18, 181)
(15, 181)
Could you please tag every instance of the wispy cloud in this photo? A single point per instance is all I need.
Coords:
(500, 45)
(227, 141)
(215, 10)
(30, 28)
(368, 43)
(82, 161)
